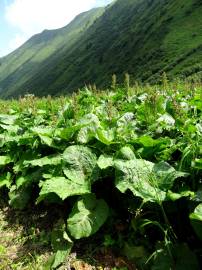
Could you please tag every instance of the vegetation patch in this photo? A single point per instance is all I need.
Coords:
(103, 179)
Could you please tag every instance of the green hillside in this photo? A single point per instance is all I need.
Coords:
(141, 37)
(21, 65)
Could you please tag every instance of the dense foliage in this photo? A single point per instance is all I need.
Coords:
(124, 164)
(141, 37)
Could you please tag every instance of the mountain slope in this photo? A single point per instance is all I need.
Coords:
(142, 37)
(21, 65)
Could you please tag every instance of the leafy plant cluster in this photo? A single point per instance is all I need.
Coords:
(126, 163)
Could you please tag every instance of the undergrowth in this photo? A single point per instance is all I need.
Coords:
(113, 177)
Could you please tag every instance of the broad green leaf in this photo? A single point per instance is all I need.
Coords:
(166, 119)
(197, 163)
(7, 138)
(21, 158)
(147, 141)
(46, 131)
(105, 136)
(60, 256)
(176, 196)
(91, 128)
(65, 133)
(145, 179)
(20, 181)
(61, 244)
(45, 134)
(137, 176)
(79, 164)
(85, 134)
(32, 177)
(197, 214)
(11, 129)
(89, 120)
(63, 187)
(196, 220)
(125, 119)
(166, 175)
(87, 216)
(48, 160)
(5, 180)
(126, 127)
(26, 139)
(126, 153)
(198, 195)
(4, 160)
(105, 161)
(46, 140)
(196, 101)
(8, 119)
(88, 126)
(150, 147)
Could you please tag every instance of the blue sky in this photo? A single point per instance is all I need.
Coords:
(20, 19)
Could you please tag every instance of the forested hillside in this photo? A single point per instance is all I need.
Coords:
(141, 37)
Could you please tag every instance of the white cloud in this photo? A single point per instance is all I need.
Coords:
(16, 42)
(32, 16)
(29, 17)
(13, 44)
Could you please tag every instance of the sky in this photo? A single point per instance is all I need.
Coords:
(21, 19)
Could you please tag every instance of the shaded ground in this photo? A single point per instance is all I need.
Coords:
(25, 244)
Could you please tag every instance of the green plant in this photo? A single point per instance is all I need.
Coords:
(123, 170)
